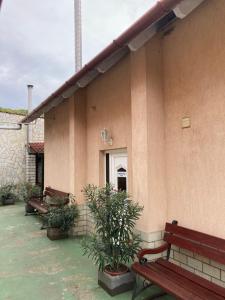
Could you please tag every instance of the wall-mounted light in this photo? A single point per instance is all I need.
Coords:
(106, 137)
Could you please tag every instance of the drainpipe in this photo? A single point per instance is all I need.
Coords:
(29, 109)
(29, 134)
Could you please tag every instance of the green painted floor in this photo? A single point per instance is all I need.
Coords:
(34, 268)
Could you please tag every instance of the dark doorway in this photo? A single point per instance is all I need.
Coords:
(40, 170)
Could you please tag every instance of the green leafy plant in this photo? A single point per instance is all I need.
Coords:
(7, 192)
(62, 217)
(55, 201)
(26, 190)
(115, 214)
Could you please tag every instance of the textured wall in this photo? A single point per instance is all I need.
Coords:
(57, 173)
(13, 150)
(194, 68)
(177, 173)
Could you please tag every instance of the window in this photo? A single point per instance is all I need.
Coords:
(122, 179)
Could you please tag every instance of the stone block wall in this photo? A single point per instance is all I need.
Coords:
(30, 168)
(199, 265)
(12, 151)
(81, 225)
(15, 164)
(85, 224)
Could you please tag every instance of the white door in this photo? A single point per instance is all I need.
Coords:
(116, 170)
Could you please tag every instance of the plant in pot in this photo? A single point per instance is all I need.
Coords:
(26, 191)
(114, 245)
(60, 219)
(7, 194)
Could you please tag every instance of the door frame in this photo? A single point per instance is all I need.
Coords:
(115, 151)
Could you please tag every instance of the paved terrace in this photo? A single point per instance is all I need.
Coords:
(34, 268)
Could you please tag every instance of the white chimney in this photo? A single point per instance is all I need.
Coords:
(78, 35)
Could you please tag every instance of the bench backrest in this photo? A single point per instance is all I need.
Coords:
(195, 241)
(55, 193)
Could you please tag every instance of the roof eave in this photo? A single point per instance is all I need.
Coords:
(150, 17)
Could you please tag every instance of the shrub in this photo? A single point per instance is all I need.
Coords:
(115, 215)
(62, 217)
(7, 192)
(26, 190)
(55, 201)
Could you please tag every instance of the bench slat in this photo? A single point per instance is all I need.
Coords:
(197, 236)
(165, 283)
(177, 281)
(193, 277)
(39, 205)
(187, 284)
(181, 242)
(52, 192)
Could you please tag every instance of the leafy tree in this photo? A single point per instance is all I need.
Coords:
(115, 214)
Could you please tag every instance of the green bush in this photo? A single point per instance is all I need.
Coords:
(26, 190)
(115, 215)
(7, 192)
(62, 217)
(55, 200)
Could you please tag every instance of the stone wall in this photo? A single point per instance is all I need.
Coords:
(199, 265)
(13, 153)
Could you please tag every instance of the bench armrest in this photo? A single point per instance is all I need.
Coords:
(157, 250)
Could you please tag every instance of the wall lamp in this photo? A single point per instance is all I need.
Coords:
(106, 137)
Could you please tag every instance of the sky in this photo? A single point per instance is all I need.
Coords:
(37, 42)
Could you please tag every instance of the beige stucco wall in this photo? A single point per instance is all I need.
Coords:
(175, 173)
(80, 144)
(194, 71)
(57, 147)
(108, 106)
(73, 151)
(156, 136)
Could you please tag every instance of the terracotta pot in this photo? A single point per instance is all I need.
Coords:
(123, 270)
(56, 234)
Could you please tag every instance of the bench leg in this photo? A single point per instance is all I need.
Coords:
(43, 227)
(30, 214)
(44, 223)
(158, 295)
(137, 291)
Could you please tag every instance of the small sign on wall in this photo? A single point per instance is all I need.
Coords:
(186, 122)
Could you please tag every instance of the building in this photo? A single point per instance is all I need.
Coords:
(147, 114)
(19, 163)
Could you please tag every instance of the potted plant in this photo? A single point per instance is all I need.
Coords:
(26, 191)
(60, 219)
(7, 195)
(114, 244)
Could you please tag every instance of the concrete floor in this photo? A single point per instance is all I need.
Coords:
(34, 268)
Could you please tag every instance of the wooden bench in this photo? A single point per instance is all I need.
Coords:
(40, 204)
(173, 279)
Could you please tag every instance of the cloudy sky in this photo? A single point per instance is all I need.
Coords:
(37, 41)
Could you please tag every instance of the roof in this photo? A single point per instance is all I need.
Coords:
(21, 112)
(162, 13)
(36, 148)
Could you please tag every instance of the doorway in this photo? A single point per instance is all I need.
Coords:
(116, 169)
(40, 170)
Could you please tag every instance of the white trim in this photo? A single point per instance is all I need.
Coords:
(112, 155)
